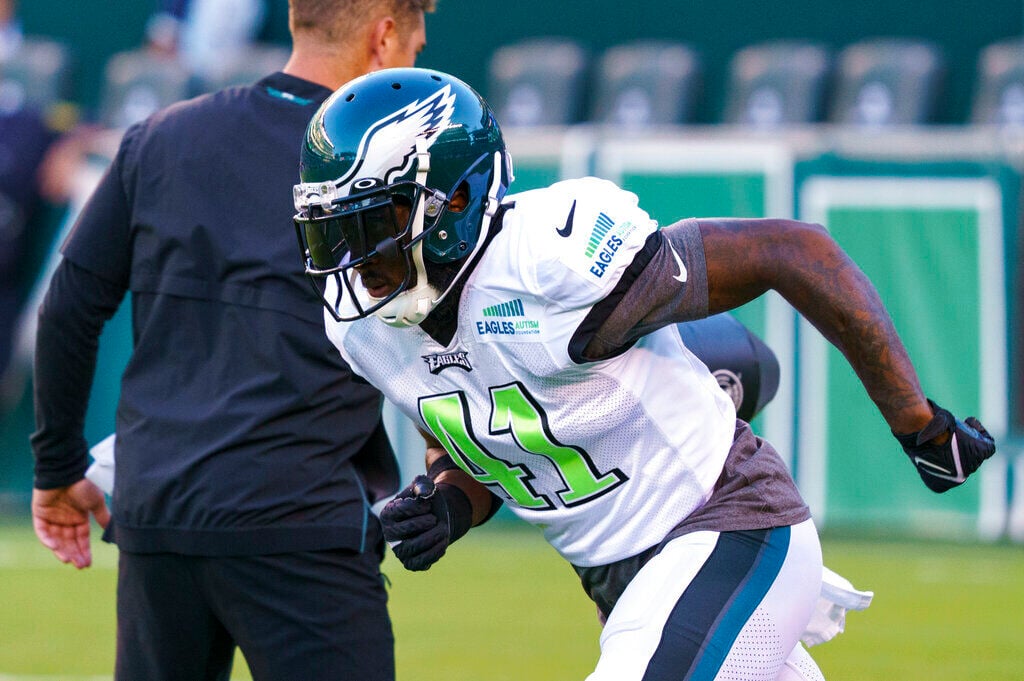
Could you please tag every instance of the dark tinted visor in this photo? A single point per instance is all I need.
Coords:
(349, 236)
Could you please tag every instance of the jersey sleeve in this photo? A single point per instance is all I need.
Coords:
(71, 319)
(665, 283)
(578, 238)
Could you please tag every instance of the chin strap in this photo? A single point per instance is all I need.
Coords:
(492, 192)
(411, 307)
(491, 209)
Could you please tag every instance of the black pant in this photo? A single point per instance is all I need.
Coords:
(308, 616)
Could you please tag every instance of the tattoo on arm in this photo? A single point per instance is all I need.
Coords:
(806, 266)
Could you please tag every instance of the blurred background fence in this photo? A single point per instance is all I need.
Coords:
(899, 127)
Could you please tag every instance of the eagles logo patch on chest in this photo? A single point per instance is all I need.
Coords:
(438, 362)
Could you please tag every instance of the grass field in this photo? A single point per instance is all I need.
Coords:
(502, 606)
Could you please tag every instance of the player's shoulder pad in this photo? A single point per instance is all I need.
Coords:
(585, 229)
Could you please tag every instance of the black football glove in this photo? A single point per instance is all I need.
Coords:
(943, 467)
(423, 519)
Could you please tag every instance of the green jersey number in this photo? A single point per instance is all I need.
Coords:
(516, 414)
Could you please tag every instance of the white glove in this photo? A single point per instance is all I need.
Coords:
(829, 618)
(101, 472)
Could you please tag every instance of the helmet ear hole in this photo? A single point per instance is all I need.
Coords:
(460, 199)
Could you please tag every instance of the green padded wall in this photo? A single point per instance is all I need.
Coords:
(933, 246)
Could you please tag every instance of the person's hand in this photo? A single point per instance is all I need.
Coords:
(947, 450)
(61, 520)
(416, 524)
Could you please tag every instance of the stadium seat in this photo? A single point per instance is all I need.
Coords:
(999, 91)
(538, 82)
(37, 75)
(887, 81)
(646, 83)
(248, 66)
(778, 83)
(137, 83)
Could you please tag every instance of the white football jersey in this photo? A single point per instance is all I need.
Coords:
(605, 457)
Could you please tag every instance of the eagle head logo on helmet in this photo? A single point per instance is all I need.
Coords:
(388, 148)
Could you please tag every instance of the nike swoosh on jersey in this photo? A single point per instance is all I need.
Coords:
(681, 277)
(567, 230)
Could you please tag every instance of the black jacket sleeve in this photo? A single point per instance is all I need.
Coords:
(76, 306)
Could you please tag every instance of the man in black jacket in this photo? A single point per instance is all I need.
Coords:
(247, 458)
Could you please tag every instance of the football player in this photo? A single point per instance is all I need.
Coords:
(531, 338)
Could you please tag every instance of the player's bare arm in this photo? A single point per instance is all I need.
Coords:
(808, 268)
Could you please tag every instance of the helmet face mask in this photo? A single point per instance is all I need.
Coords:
(372, 227)
(381, 160)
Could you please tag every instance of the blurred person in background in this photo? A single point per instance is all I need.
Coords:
(532, 338)
(25, 140)
(10, 29)
(32, 175)
(164, 26)
(246, 457)
(204, 34)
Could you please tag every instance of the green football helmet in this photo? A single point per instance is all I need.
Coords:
(393, 143)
